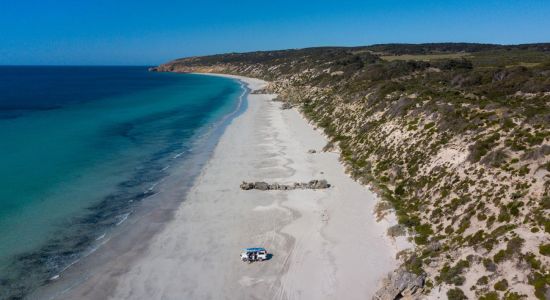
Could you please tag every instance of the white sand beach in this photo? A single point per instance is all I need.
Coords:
(326, 243)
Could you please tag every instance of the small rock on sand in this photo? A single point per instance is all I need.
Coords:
(286, 105)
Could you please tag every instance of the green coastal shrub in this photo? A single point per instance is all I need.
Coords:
(501, 285)
(483, 280)
(452, 275)
(532, 260)
(512, 248)
(541, 282)
(477, 238)
(500, 256)
(414, 265)
(545, 201)
(456, 294)
(514, 296)
(482, 146)
(423, 232)
(544, 249)
(490, 221)
(504, 216)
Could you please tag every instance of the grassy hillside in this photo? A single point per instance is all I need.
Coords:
(455, 138)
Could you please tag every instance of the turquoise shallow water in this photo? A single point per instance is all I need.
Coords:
(80, 146)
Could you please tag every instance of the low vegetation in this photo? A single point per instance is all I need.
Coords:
(424, 57)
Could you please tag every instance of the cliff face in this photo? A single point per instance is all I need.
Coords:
(459, 147)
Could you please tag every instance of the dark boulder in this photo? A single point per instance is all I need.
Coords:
(260, 185)
(247, 186)
(318, 184)
(286, 105)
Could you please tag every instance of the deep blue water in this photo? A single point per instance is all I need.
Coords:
(80, 147)
(42, 88)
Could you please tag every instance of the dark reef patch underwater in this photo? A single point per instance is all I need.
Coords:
(83, 148)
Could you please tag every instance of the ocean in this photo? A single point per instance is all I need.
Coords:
(81, 148)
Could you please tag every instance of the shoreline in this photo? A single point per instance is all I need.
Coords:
(326, 244)
(146, 219)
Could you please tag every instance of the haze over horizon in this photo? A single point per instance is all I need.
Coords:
(138, 33)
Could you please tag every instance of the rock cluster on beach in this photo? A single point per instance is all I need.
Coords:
(400, 284)
(264, 186)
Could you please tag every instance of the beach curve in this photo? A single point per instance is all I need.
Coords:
(326, 244)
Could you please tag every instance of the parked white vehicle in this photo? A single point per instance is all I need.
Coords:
(253, 254)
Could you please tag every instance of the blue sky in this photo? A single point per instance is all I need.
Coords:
(125, 32)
